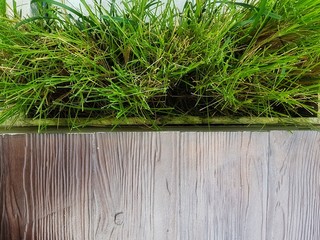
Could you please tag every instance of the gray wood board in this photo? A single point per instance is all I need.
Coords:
(161, 185)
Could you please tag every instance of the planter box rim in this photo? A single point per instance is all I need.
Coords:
(165, 121)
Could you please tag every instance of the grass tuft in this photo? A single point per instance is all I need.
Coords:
(148, 60)
(3, 8)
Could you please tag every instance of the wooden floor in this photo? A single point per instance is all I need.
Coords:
(161, 185)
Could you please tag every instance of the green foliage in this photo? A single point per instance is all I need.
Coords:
(3, 8)
(150, 60)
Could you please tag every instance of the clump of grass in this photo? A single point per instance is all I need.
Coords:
(3, 8)
(151, 60)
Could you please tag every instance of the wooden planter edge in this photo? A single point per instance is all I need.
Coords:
(166, 121)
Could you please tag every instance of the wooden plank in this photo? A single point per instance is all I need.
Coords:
(160, 185)
(136, 186)
(223, 185)
(294, 186)
(12, 188)
(47, 187)
(200, 183)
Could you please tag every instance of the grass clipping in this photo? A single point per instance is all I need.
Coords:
(148, 60)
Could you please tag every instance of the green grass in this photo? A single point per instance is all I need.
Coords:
(149, 61)
(3, 8)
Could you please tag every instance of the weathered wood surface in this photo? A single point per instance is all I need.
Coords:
(161, 185)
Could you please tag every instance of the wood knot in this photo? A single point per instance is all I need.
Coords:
(118, 218)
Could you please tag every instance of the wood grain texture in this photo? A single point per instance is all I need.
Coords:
(47, 187)
(161, 185)
(223, 185)
(294, 186)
